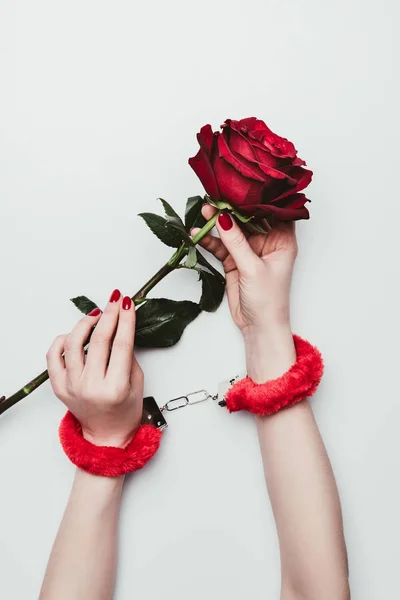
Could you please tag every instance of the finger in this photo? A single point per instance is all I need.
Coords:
(122, 349)
(100, 343)
(208, 211)
(236, 243)
(212, 244)
(56, 365)
(74, 344)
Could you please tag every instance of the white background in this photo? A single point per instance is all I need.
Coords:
(99, 106)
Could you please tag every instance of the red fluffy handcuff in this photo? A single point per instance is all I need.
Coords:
(108, 461)
(298, 383)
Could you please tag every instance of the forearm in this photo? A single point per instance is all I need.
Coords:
(300, 482)
(83, 560)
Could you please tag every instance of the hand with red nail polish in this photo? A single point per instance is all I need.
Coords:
(105, 390)
(258, 270)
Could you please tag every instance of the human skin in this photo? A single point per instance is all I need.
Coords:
(298, 473)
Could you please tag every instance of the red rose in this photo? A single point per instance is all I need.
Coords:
(252, 169)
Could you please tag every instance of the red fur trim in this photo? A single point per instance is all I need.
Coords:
(298, 383)
(108, 460)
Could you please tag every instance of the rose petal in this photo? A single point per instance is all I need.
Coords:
(294, 201)
(205, 137)
(266, 173)
(288, 213)
(241, 166)
(299, 162)
(260, 132)
(232, 185)
(303, 179)
(248, 123)
(254, 194)
(201, 165)
(239, 144)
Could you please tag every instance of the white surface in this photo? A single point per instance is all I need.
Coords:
(99, 106)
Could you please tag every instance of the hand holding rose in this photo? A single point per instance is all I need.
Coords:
(249, 172)
(258, 273)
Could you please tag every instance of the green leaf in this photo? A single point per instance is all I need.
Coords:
(191, 260)
(193, 216)
(169, 211)
(241, 217)
(175, 224)
(160, 322)
(213, 290)
(83, 304)
(158, 226)
(201, 260)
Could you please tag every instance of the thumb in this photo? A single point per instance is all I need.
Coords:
(235, 242)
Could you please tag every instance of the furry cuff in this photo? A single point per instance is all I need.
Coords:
(299, 382)
(108, 461)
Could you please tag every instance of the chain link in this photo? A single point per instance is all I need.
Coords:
(194, 398)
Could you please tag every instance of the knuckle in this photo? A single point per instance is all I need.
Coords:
(88, 393)
(120, 391)
(69, 344)
(116, 393)
(58, 341)
(239, 241)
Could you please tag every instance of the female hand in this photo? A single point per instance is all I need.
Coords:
(258, 270)
(105, 391)
(258, 277)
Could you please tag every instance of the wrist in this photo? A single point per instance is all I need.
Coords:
(270, 350)
(114, 440)
(102, 488)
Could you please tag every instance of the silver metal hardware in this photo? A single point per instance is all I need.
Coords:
(198, 396)
(175, 403)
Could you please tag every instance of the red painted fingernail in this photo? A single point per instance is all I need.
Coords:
(126, 303)
(115, 296)
(94, 313)
(225, 221)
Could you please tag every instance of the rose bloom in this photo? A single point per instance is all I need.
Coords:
(253, 169)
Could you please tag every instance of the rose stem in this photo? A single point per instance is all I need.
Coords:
(6, 403)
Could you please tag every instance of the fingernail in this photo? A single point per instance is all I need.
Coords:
(225, 221)
(126, 303)
(94, 313)
(115, 296)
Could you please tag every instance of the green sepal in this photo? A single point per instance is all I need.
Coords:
(241, 217)
(191, 260)
(254, 228)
